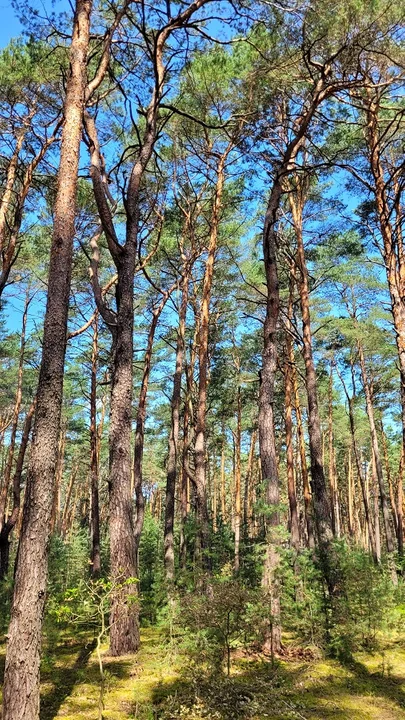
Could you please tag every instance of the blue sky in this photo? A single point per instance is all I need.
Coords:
(9, 26)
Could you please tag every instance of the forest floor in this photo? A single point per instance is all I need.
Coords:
(156, 685)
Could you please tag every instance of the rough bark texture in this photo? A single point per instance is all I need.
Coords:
(124, 623)
(21, 679)
(400, 505)
(267, 441)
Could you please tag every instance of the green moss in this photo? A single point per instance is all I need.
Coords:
(156, 684)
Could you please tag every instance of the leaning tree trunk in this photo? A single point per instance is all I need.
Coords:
(21, 678)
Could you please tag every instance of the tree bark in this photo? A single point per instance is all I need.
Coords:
(21, 678)
(267, 441)
(124, 536)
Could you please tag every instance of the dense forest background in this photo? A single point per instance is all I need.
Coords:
(202, 337)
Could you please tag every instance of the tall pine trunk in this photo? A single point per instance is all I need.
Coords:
(267, 441)
(21, 678)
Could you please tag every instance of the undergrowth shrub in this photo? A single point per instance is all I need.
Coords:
(216, 622)
(367, 604)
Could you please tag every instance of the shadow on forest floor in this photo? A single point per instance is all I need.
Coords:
(311, 690)
(157, 684)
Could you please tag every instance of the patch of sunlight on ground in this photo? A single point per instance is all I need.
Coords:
(142, 687)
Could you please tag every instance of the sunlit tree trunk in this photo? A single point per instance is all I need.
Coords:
(21, 679)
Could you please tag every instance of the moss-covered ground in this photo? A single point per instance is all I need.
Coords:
(157, 684)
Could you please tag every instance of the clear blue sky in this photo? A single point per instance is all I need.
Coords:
(9, 26)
